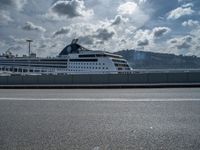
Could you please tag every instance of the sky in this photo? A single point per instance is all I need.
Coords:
(164, 26)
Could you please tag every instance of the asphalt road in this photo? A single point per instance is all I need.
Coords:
(114, 119)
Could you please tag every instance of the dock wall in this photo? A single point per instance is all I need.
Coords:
(137, 78)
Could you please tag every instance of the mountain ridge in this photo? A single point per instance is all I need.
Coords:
(152, 60)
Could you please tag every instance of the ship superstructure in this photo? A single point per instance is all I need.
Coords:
(73, 59)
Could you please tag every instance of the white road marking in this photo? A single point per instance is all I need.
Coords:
(100, 99)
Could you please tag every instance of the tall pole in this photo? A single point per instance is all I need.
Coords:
(29, 47)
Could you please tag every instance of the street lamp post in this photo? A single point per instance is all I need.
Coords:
(29, 51)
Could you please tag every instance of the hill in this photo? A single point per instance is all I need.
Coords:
(151, 60)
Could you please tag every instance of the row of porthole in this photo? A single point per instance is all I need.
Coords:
(87, 63)
(87, 67)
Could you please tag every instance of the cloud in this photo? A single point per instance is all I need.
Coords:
(190, 23)
(160, 31)
(179, 12)
(151, 35)
(181, 42)
(17, 40)
(104, 34)
(2, 44)
(186, 44)
(183, 45)
(133, 13)
(187, 5)
(6, 6)
(128, 8)
(5, 17)
(29, 26)
(17, 4)
(63, 30)
(142, 2)
(69, 8)
(88, 40)
(181, 1)
(118, 19)
(147, 39)
(143, 38)
(143, 42)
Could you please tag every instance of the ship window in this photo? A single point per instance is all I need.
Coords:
(83, 56)
(83, 60)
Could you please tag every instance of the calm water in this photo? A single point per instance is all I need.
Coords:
(103, 119)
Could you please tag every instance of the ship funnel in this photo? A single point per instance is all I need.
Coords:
(74, 41)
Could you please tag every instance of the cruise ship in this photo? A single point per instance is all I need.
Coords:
(73, 59)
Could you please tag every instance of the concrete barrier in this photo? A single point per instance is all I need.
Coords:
(45, 79)
(177, 78)
(3, 80)
(80, 79)
(99, 79)
(118, 78)
(193, 77)
(63, 79)
(14, 80)
(137, 78)
(157, 78)
(30, 80)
